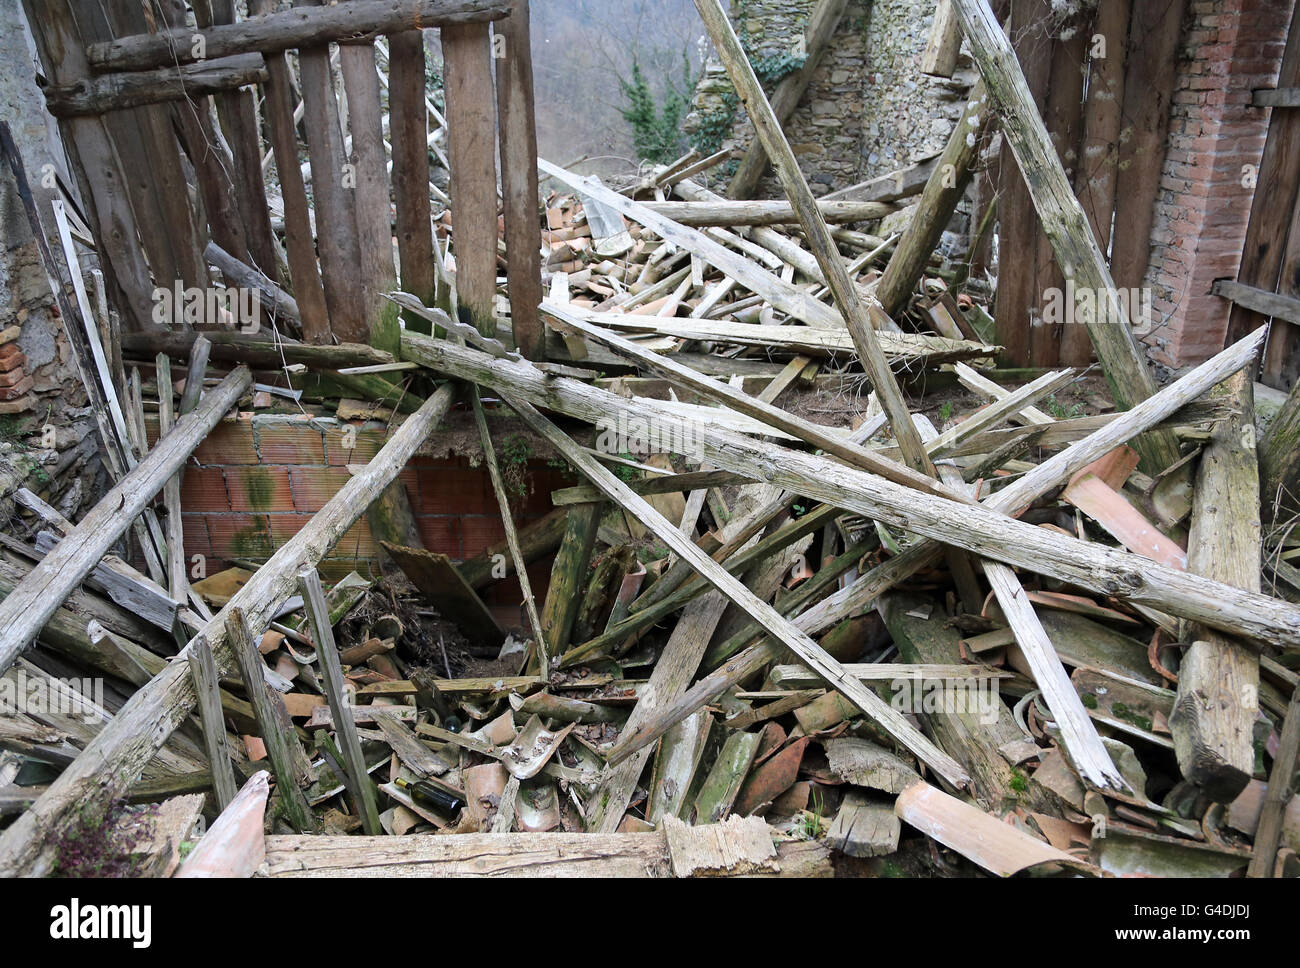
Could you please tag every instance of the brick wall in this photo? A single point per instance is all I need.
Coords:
(257, 479)
(1229, 47)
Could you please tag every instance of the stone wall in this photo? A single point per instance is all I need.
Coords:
(39, 387)
(868, 111)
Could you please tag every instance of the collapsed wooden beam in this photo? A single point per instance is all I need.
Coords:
(979, 529)
(1279, 462)
(229, 346)
(943, 190)
(729, 213)
(862, 320)
(112, 761)
(1064, 222)
(1218, 680)
(864, 592)
(822, 23)
(727, 849)
(113, 92)
(742, 402)
(30, 605)
(799, 643)
(300, 27)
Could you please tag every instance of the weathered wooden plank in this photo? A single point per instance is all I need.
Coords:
(471, 134)
(518, 127)
(729, 213)
(276, 32)
(1261, 301)
(115, 757)
(204, 670)
(332, 193)
(435, 576)
(569, 575)
(279, 742)
(1218, 681)
(30, 605)
(373, 208)
(318, 615)
(300, 246)
(1064, 221)
(408, 126)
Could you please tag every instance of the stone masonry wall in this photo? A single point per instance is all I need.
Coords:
(868, 110)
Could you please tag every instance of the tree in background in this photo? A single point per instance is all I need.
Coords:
(657, 128)
(584, 51)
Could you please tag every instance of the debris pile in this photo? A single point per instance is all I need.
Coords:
(803, 617)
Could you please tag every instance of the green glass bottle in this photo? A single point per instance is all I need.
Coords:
(426, 793)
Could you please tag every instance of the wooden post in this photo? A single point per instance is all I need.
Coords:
(1018, 294)
(239, 639)
(822, 23)
(808, 650)
(97, 166)
(1063, 219)
(373, 209)
(237, 111)
(1150, 75)
(518, 125)
(322, 636)
(569, 575)
(1067, 345)
(816, 232)
(945, 187)
(407, 126)
(299, 244)
(1218, 682)
(1279, 462)
(203, 669)
(1279, 792)
(471, 130)
(115, 757)
(944, 43)
(29, 607)
(332, 186)
(1103, 120)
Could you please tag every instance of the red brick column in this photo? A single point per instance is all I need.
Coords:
(1229, 48)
